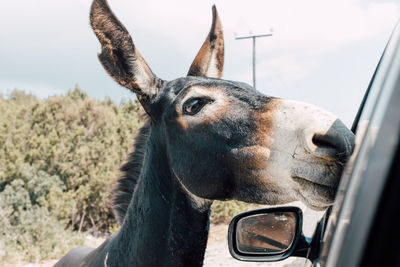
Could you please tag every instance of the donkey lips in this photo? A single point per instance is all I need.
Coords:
(313, 206)
(323, 175)
(303, 180)
(319, 197)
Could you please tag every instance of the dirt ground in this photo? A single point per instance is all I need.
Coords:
(217, 253)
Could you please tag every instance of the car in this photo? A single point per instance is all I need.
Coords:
(362, 227)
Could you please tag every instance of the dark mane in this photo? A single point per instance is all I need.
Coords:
(123, 190)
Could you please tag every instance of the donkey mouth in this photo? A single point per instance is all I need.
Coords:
(313, 205)
(326, 175)
(308, 182)
(315, 195)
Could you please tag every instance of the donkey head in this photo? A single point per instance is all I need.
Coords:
(224, 139)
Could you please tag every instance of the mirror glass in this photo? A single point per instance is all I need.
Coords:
(267, 233)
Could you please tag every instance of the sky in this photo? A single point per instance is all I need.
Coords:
(321, 52)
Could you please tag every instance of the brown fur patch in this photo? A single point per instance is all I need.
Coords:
(253, 160)
(181, 123)
(265, 120)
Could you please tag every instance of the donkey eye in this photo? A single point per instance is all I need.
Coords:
(194, 105)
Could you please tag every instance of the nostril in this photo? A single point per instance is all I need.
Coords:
(324, 141)
(337, 142)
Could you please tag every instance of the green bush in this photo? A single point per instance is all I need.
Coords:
(80, 140)
(29, 231)
(58, 160)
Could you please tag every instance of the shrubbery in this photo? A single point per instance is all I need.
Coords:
(59, 159)
(80, 140)
(28, 229)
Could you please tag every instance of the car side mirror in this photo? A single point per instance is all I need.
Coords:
(268, 235)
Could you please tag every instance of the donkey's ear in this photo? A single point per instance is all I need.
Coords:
(209, 61)
(120, 57)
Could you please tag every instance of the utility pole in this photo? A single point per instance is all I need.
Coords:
(254, 51)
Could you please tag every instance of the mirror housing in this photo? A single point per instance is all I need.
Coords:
(271, 234)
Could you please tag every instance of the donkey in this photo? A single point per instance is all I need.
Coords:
(205, 139)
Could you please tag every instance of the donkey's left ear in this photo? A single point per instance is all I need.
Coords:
(209, 61)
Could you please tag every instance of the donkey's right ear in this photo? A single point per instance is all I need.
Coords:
(120, 57)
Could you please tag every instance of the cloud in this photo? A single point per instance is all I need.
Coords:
(50, 43)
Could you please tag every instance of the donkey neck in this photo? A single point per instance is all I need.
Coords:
(162, 226)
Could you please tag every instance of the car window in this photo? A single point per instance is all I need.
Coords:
(367, 127)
